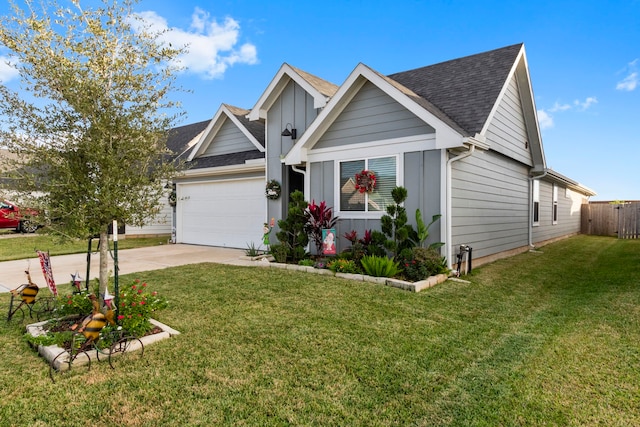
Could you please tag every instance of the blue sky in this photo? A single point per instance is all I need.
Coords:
(583, 56)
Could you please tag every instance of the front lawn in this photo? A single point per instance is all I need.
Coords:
(547, 338)
(24, 246)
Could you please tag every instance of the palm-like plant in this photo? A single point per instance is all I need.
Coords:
(318, 217)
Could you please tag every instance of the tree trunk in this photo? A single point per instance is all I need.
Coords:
(104, 264)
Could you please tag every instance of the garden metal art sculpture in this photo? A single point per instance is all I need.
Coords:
(89, 336)
(38, 306)
(27, 293)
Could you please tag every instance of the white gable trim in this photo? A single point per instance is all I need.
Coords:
(446, 137)
(213, 128)
(285, 74)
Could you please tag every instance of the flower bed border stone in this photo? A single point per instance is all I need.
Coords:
(50, 352)
(396, 283)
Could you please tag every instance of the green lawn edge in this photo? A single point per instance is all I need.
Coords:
(543, 338)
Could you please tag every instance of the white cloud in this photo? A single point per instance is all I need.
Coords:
(559, 107)
(212, 46)
(7, 72)
(630, 82)
(588, 102)
(544, 119)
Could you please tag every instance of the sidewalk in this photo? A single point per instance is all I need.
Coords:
(129, 261)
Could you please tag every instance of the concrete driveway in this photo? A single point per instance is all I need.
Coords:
(129, 261)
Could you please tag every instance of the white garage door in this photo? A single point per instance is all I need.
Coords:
(221, 213)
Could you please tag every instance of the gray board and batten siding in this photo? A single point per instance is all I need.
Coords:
(371, 116)
(294, 106)
(422, 179)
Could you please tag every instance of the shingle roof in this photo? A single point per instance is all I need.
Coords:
(464, 89)
(224, 159)
(324, 87)
(179, 137)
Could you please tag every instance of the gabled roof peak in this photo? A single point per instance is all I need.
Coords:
(324, 87)
(254, 131)
(321, 90)
(236, 111)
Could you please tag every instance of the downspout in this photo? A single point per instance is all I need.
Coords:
(448, 243)
(304, 175)
(531, 179)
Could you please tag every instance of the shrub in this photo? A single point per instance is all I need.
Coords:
(379, 266)
(420, 263)
(395, 223)
(292, 235)
(307, 262)
(371, 244)
(342, 265)
(73, 304)
(136, 306)
(318, 217)
(279, 252)
(422, 232)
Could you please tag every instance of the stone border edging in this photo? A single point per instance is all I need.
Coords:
(396, 283)
(50, 352)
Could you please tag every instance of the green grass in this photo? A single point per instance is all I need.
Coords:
(545, 338)
(24, 246)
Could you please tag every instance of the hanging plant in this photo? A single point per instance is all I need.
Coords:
(273, 190)
(365, 181)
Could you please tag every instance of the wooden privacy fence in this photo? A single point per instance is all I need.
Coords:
(604, 219)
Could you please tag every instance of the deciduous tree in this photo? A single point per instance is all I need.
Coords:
(90, 118)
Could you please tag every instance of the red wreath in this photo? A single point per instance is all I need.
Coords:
(365, 181)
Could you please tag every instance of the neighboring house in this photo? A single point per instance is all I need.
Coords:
(462, 136)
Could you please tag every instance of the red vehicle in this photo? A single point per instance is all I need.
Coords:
(10, 217)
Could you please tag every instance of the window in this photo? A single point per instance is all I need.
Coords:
(352, 200)
(536, 202)
(554, 220)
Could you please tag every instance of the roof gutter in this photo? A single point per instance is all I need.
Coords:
(471, 143)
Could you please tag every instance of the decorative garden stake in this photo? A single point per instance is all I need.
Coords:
(115, 265)
(267, 231)
(328, 241)
(75, 281)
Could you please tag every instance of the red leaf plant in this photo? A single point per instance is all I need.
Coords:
(318, 217)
